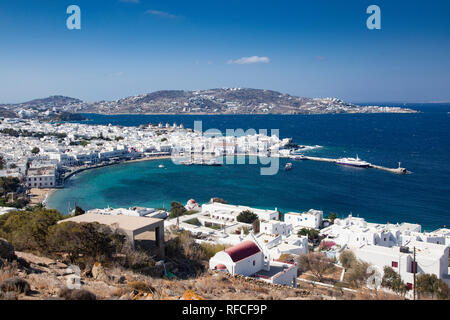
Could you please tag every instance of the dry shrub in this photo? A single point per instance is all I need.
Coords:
(119, 292)
(367, 294)
(76, 294)
(141, 286)
(205, 285)
(16, 284)
(8, 296)
(6, 273)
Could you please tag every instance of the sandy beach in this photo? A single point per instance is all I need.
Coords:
(40, 195)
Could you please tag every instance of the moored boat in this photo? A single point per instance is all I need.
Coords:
(353, 162)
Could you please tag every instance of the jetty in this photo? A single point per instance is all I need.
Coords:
(398, 170)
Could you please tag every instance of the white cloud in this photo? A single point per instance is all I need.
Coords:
(249, 60)
(161, 14)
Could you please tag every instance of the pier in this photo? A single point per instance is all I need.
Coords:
(398, 170)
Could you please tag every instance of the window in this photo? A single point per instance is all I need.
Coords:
(394, 264)
(253, 262)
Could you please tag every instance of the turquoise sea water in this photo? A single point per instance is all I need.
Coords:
(420, 141)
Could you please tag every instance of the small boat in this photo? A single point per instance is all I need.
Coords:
(353, 162)
(161, 166)
(288, 166)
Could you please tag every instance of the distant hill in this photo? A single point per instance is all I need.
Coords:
(49, 102)
(213, 101)
(4, 113)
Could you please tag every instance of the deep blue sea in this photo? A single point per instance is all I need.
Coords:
(420, 141)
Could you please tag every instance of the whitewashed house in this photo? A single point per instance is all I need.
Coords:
(247, 259)
(41, 177)
(310, 219)
(430, 258)
(228, 212)
(276, 227)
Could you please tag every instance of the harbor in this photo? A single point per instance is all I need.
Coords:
(398, 170)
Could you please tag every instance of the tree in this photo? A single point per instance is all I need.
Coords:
(256, 226)
(27, 230)
(429, 284)
(177, 209)
(317, 263)
(332, 216)
(246, 216)
(79, 211)
(347, 258)
(8, 184)
(35, 150)
(90, 241)
(357, 273)
(311, 233)
(393, 281)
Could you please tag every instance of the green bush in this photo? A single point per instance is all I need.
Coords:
(177, 210)
(84, 242)
(211, 249)
(392, 280)
(430, 285)
(27, 230)
(194, 222)
(246, 216)
(311, 233)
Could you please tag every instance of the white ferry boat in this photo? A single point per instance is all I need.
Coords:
(353, 162)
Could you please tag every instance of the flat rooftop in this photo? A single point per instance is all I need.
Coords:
(275, 268)
(124, 222)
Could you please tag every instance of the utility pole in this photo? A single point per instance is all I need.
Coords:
(414, 271)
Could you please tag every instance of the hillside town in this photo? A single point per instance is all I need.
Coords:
(259, 244)
(45, 153)
(269, 250)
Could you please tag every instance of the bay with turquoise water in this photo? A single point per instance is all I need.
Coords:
(420, 141)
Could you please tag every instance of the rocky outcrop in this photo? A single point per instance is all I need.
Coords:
(98, 272)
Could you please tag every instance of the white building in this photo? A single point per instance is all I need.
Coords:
(354, 232)
(229, 213)
(275, 227)
(41, 177)
(310, 219)
(390, 245)
(430, 258)
(131, 212)
(247, 259)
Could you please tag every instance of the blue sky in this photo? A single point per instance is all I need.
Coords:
(309, 48)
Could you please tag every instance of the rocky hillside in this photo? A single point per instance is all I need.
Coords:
(56, 102)
(213, 101)
(25, 276)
